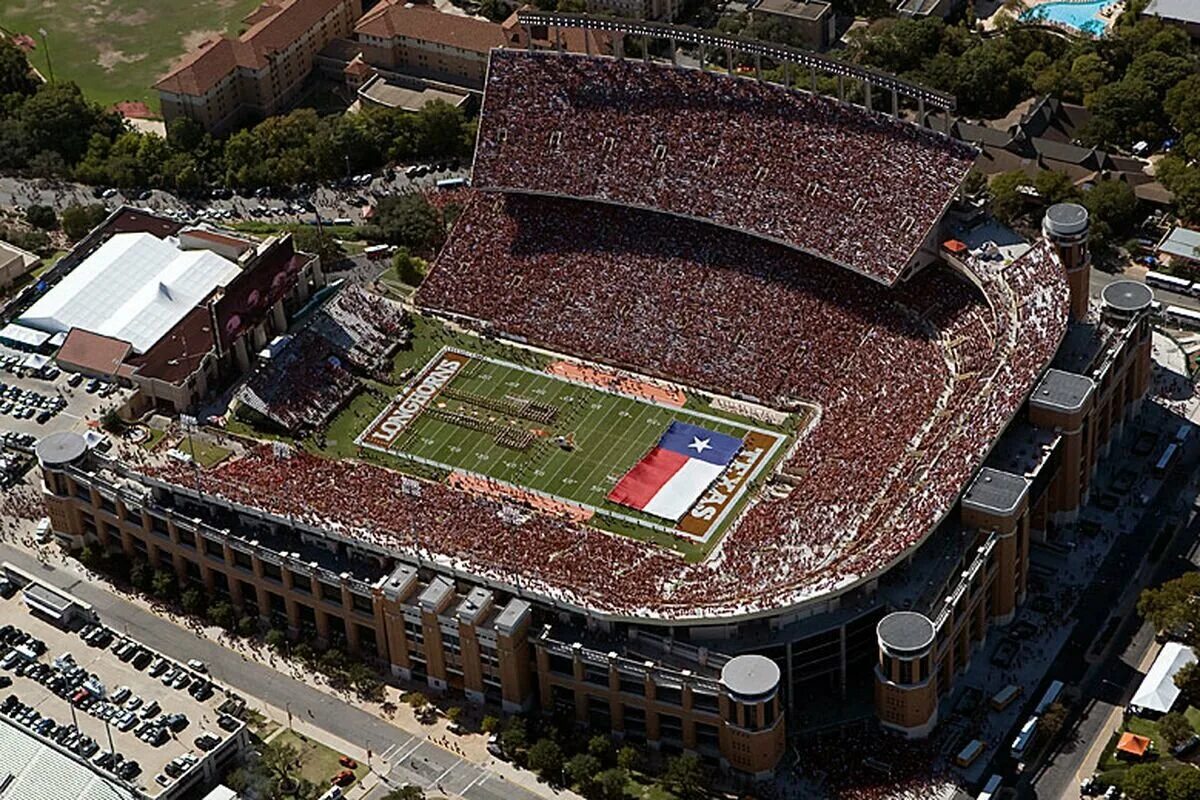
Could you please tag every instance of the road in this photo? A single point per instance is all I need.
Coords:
(1100, 279)
(410, 758)
(1108, 684)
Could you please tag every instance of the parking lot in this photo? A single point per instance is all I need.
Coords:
(66, 399)
(96, 693)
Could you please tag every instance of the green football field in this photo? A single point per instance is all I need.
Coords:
(609, 433)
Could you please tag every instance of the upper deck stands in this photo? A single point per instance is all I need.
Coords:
(859, 189)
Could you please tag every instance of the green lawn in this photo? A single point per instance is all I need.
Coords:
(1112, 767)
(206, 453)
(116, 49)
(318, 763)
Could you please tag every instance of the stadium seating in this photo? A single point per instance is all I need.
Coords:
(914, 383)
(302, 386)
(857, 188)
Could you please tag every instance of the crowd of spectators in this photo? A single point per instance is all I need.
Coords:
(303, 385)
(914, 383)
(854, 187)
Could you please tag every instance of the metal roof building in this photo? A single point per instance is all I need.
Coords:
(135, 287)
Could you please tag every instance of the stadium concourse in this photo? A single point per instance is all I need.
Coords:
(862, 190)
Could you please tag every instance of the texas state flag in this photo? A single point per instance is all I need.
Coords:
(675, 473)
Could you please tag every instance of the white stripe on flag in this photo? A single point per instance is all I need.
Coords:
(683, 489)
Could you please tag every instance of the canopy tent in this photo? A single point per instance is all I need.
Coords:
(23, 337)
(1158, 692)
(35, 361)
(1133, 745)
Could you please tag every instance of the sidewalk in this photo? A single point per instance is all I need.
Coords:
(1112, 723)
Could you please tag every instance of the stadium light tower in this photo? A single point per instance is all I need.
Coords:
(46, 47)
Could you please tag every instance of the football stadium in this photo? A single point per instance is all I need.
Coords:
(716, 424)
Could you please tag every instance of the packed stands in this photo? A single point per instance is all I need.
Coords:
(853, 187)
(300, 388)
(914, 383)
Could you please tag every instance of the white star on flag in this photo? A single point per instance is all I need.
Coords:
(699, 445)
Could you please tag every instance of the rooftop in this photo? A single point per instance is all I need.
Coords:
(1179, 10)
(1182, 243)
(905, 631)
(1062, 391)
(393, 95)
(102, 355)
(995, 492)
(799, 9)
(134, 287)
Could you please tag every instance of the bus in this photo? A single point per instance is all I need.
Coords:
(1020, 745)
(967, 756)
(1003, 698)
(1052, 692)
(451, 183)
(1183, 317)
(1181, 435)
(1161, 280)
(1167, 460)
(377, 251)
(990, 788)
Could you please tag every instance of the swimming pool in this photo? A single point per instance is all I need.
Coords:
(1082, 15)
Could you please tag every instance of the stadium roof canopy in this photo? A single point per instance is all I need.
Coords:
(39, 772)
(135, 287)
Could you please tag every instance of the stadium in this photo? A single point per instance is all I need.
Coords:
(712, 418)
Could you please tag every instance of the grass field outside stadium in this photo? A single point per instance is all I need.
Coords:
(115, 50)
(586, 439)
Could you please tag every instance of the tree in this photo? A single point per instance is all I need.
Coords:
(1188, 681)
(1122, 113)
(247, 625)
(40, 216)
(582, 769)
(1183, 784)
(112, 422)
(1055, 187)
(15, 74)
(411, 222)
(454, 714)
(222, 614)
(279, 759)
(1174, 729)
(610, 785)
(1114, 203)
(418, 700)
(601, 747)
(407, 792)
(546, 759)
(490, 724)
(276, 640)
(192, 601)
(308, 239)
(1182, 105)
(1171, 605)
(77, 220)
(409, 268)
(1007, 202)
(514, 740)
(140, 575)
(163, 584)
(628, 758)
(1145, 782)
(1052, 721)
(685, 776)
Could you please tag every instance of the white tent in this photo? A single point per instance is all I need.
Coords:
(1158, 691)
(135, 287)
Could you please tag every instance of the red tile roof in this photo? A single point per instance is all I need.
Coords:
(101, 355)
(392, 18)
(274, 27)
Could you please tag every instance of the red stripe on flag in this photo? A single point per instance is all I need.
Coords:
(642, 482)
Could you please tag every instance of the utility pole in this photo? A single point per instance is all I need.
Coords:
(46, 47)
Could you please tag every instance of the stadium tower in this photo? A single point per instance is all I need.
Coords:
(1066, 226)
